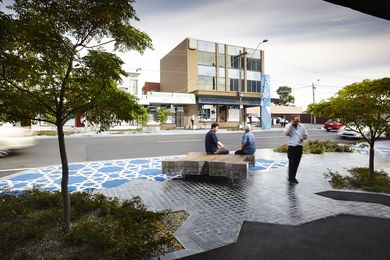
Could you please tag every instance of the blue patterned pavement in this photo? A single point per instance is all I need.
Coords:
(365, 150)
(104, 174)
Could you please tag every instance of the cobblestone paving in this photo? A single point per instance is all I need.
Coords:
(217, 209)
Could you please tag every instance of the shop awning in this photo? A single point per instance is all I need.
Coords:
(168, 98)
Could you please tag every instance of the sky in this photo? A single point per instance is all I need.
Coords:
(308, 41)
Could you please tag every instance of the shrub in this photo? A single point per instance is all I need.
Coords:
(101, 227)
(281, 148)
(359, 178)
(317, 147)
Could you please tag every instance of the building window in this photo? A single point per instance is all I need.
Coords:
(133, 86)
(207, 113)
(234, 85)
(234, 60)
(221, 60)
(234, 113)
(253, 64)
(221, 56)
(206, 46)
(253, 86)
(206, 82)
(206, 58)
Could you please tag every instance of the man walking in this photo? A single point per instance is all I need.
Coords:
(296, 135)
(248, 142)
(192, 121)
(212, 144)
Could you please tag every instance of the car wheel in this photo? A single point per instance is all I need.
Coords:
(327, 129)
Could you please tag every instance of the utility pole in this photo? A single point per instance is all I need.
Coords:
(314, 87)
(239, 87)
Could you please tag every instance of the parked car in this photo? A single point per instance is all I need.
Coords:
(14, 138)
(255, 120)
(279, 120)
(332, 125)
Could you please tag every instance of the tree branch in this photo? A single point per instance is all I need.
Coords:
(30, 118)
(31, 94)
(98, 45)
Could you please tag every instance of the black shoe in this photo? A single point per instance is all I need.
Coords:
(295, 181)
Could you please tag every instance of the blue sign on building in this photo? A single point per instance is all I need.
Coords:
(266, 102)
(228, 101)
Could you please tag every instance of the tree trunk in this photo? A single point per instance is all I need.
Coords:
(371, 160)
(65, 177)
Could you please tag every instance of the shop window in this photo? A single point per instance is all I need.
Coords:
(207, 113)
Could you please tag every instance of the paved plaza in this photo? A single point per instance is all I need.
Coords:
(217, 209)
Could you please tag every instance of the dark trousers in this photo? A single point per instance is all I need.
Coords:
(222, 151)
(294, 154)
(242, 152)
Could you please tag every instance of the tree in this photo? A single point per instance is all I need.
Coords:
(285, 97)
(364, 107)
(163, 116)
(53, 65)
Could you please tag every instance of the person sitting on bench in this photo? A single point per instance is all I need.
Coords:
(248, 142)
(213, 145)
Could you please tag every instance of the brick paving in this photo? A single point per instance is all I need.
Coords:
(217, 209)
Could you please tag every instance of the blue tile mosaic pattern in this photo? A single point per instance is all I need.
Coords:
(365, 150)
(104, 174)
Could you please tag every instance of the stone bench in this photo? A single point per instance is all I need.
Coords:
(225, 165)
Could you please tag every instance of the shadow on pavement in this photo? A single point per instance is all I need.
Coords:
(339, 237)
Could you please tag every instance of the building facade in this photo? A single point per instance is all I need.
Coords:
(224, 78)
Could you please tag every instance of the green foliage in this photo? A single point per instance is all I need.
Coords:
(285, 97)
(281, 148)
(317, 147)
(163, 115)
(53, 65)
(101, 228)
(47, 75)
(360, 178)
(361, 106)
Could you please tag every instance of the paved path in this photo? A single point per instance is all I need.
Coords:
(217, 210)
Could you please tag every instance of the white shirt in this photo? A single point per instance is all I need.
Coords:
(295, 135)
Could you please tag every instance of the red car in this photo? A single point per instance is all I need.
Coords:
(332, 125)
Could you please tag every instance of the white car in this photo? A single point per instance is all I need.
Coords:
(352, 133)
(14, 138)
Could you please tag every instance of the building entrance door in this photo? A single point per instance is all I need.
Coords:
(222, 113)
(179, 116)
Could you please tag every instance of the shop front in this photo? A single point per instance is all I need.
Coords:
(175, 103)
(223, 110)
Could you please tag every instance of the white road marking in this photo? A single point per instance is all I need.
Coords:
(17, 169)
(180, 141)
(277, 137)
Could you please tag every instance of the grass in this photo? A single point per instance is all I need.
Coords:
(359, 179)
(317, 147)
(102, 228)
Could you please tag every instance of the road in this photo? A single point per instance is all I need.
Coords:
(95, 148)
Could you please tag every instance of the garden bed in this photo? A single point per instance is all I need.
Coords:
(32, 227)
(317, 147)
(359, 179)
